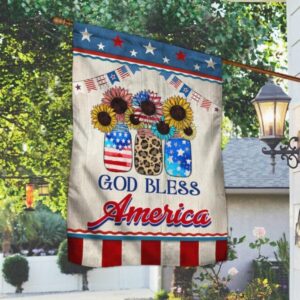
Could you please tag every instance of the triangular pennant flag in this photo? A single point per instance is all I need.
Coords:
(133, 68)
(165, 74)
(113, 77)
(185, 90)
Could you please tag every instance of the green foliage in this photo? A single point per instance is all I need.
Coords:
(65, 266)
(39, 229)
(282, 253)
(15, 270)
(161, 295)
(257, 289)
(36, 62)
(212, 284)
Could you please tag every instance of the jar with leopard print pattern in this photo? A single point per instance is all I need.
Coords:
(147, 153)
(118, 149)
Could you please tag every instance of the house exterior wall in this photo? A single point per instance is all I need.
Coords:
(293, 19)
(45, 276)
(244, 213)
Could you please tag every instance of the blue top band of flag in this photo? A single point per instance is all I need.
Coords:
(94, 40)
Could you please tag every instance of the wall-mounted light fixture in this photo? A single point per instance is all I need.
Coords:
(271, 105)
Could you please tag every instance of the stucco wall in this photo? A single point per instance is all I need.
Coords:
(244, 213)
(45, 276)
(293, 18)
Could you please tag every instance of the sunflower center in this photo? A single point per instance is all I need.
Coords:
(119, 105)
(163, 128)
(134, 120)
(177, 112)
(104, 118)
(148, 107)
(188, 131)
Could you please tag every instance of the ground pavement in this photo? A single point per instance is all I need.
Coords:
(142, 294)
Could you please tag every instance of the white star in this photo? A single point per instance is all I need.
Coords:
(180, 152)
(169, 143)
(210, 63)
(178, 168)
(120, 134)
(133, 52)
(85, 35)
(100, 46)
(114, 134)
(149, 48)
(186, 173)
(111, 139)
(196, 67)
(123, 141)
(120, 146)
(118, 140)
(188, 161)
(125, 134)
(166, 60)
(183, 142)
(170, 159)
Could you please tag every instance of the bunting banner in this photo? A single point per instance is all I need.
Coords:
(146, 184)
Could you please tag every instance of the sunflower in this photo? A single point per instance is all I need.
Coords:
(103, 118)
(148, 107)
(177, 112)
(119, 99)
(132, 120)
(162, 130)
(188, 133)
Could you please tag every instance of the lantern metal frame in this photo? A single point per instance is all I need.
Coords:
(289, 152)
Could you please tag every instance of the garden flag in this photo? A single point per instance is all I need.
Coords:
(146, 183)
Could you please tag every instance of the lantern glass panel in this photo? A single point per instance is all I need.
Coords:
(44, 189)
(281, 110)
(267, 115)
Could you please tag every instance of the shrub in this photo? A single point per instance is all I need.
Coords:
(67, 267)
(161, 295)
(15, 270)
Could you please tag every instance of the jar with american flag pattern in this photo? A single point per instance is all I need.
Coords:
(118, 149)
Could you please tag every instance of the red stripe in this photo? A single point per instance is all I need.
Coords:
(114, 170)
(111, 253)
(75, 250)
(221, 250)
(117, 163)
(140, 61)
(150, 252)
(189, 254)
(109, 153)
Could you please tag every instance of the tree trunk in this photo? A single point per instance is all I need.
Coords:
(19, 289)
(182, 284)
(85, 283)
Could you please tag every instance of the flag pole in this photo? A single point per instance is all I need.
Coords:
(67, 22)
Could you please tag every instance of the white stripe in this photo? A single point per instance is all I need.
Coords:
(117, 167)
(207, 253)
(170, 253)
(117, 151)
(131, 253)
(92, 253)
(114, 158)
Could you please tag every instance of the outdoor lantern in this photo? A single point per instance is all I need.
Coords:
(271, 105)
(29, 196)
(43, 188)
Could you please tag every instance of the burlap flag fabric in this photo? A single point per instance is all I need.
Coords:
(146, 184)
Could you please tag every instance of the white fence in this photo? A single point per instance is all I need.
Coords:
(45, 276)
